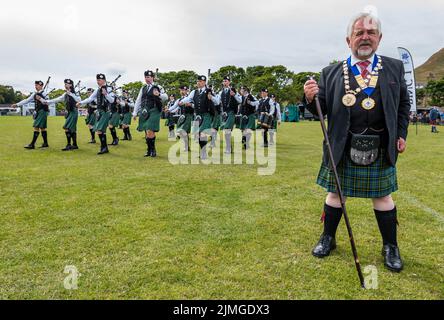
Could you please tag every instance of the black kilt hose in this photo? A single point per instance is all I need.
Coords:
(388, 119)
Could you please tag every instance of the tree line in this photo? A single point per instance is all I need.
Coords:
(284, 83)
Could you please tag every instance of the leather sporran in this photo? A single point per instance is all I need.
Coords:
(364, 149)
(144, 114)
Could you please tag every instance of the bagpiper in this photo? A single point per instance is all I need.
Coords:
(149, 103)
(40, 114)
(70, 98)
(104, 97)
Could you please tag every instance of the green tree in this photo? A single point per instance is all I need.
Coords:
(133, 88)
(435, 91)
(57, 93)
(237, 76)
(171, 81)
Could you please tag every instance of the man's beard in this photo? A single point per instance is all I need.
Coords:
(365, 52)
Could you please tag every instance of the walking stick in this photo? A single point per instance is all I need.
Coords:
(339, 189)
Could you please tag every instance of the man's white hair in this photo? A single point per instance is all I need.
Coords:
(370, 20)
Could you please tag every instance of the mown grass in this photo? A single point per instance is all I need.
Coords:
(139, 228)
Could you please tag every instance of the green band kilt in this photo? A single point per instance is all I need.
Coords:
(152, 123)
(114, 119)
(186, 125)
(127, 119)
(251, 123)
(217, 120)
(41, 120)
(373, 181)
(207, 120)
(102, 121)
(71, 121)
(229, 123)
(90, 119)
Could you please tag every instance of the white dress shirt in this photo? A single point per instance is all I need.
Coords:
(110, 96)
(62, 98)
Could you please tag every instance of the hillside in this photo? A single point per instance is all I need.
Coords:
(434, 65)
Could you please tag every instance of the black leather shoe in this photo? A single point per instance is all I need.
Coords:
(114, 143)
(325, 245)
(392, 258)
(45, 145)
(92, 141)
(74, 147)
(153, 154)
(67, 148)
(103, 151)
(30, 146)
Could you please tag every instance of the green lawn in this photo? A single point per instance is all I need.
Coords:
(143, 228)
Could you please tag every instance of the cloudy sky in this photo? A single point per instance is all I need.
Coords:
(81, 38)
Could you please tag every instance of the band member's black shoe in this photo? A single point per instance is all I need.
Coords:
(45, 145)
(114, 143)
(153, 153)
(147, 154)
(30, 146)
(103, 151)
(74, 147)
(392, 258)
(325, 245)
(67, 148)
(92, 141)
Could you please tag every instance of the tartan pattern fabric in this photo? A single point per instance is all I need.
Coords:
(373, 181)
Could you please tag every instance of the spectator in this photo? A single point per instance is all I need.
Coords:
(434, 115)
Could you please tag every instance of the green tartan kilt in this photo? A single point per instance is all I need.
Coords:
(90, 119)
(71, 121)
(186, 125)
(251, 124)
(373, 181)
(102, 121)
(152, 123)
(41, 120)
(229, 123)
(216, 121)
(206, 123)
(114, 119)
(127, 119)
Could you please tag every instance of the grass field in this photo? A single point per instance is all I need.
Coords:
(143, 228)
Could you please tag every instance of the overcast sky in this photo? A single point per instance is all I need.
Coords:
(81, 38)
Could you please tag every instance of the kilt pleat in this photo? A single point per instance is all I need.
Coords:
(373, 181)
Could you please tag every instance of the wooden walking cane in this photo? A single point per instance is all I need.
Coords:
(339, 189)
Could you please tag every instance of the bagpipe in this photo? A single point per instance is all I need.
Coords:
(113, 83)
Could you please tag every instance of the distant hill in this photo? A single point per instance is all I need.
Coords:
(434, 65)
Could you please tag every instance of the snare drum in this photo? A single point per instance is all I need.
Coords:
(266, 121)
